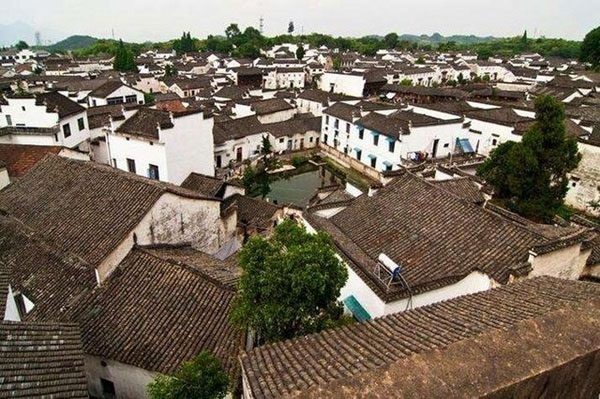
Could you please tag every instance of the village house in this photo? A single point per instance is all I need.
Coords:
(398, 257)
(284, 78)
(514, 340)
(315, 101)
(237, 140)
(296, 134)
(115, 92)
(163, 146)
(17, 159)
(43, 119)
(38, 359)
(356, 84)
(266, 111)
(92, 243)
(385, 137)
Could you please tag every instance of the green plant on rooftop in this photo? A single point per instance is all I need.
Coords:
(200, 378)
(531, 175)
(289, 284)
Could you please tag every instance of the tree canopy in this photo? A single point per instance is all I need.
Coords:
(391, 40)
(291, 27)
(590, 48)
(289, 284)
(21, 44)
(199, 378)
(531, 175)
(185, 44)
(300, 53)
(124, 61)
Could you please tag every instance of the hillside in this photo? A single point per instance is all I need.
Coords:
(74, 42)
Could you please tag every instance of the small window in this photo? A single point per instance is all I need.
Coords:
(114, 162)
(131, 165)
(327, 119)
(388, 167)
(114, 100)
(347, 127)
(336, 124)
(375, 139)
(23, 108)
(325, 138)
(361, 133)
(8, 120)
(358, 154)
(310, 139)
(574, 184)
(80, 124)
(153, 172)
(131, 99)
(108, 388)
(373, 162)
(281, 140)
(391, 146)
(66, 130)
(494, 142)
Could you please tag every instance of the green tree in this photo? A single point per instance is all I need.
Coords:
(185, 44)
(337, 63)
(124, 61)
(266, 147)
(200, 378)
(391, 40)
(406, 82)
(170, 70)
(21, 45)
(232, 31)
(484, 54)
(420, 61)
(531, 175)
(300, 52)
(590, 48)
(289, 284)
(524, 40)
(291, 28)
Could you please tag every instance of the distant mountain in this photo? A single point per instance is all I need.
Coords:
(11, 33)
(74, 42)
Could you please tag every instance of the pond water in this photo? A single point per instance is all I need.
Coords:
(298, 189)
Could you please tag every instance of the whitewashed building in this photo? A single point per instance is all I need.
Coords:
(163, 146)
(43, 119)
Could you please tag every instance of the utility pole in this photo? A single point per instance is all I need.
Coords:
(261, 24)
(38, 38)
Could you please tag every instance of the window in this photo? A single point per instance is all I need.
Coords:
(375, 139)
(131, 99)
(66, 130)
(153, 172)
(108, 388)
(327, 119)
(131, 165)
(218, 161)
(310, 139)
(388, 166)
(8, 120)
(358, 154)
(391, 145)
(347, 127)
(23, 108)
(361, 133)
(336, 124)
(114, 162)
(446, 145)
(373, 161)
(80, 124)
(325, 138)
(282, 140)
(114, 100)
(494, 142)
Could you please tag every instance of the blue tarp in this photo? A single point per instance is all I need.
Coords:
(356, 309)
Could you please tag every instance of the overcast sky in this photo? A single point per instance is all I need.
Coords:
(140, 20)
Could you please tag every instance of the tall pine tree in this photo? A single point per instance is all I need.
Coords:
(124, 61)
